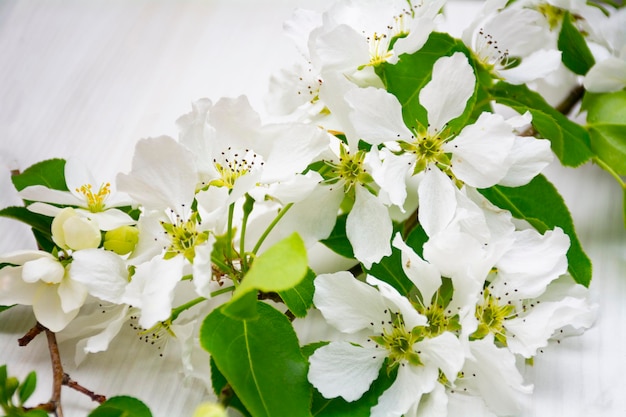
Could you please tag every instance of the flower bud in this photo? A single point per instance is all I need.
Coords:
(121, 240)
(70, 230)
(210, 410)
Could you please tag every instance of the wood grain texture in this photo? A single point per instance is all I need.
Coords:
(87, 79)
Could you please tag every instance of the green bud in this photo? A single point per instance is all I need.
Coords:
(121, 240)
(210, 410)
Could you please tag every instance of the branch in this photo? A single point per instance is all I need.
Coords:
(32, 333)
(57, 372)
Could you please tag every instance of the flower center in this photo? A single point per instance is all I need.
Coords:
(95, 201)
(233, 164)
(439, 320)
(491, 54)
(491, 317)
(184, 237)
(428, 150)
(554, 15)
(349, 170)
(399, 342)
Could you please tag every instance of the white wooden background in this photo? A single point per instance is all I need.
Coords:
(89, 78)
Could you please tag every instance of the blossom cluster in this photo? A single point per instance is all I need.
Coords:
(384, 147)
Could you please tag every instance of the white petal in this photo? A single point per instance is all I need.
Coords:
(151, 289)
(446, 94)
(294, 147)
(532, 263)
(103, 273)
(377, 115)
(493, 373)
(437, 202)
(72, 295)
(533, 330)
(158, 188)
(202, 273)
(444, 352)
(480, 150)
(369, 228)
(341, 49)
(76, 175)
(108, 219)
(392, 176)
(528, 157)
(399, 303)
(606, 76)
(48, 195)
(341, 369)
(48, 310)
(425, 276)
(537, 65)
(48, 270)
(13, 289)
(348, 304)
(410, 384)
(418, 34)
(433, 404)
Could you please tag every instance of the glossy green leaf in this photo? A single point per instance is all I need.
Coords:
(413, 71)
(299, 299)
(542, 206)
(261, 360)
(36, 221)
(27, 387)
(338, 240)
(121, 406)
(389, 269)
(49, 173)
(609, 144)
(279, 268)
(569, 141)
(575, 53)
(224, 391)
(605, 108)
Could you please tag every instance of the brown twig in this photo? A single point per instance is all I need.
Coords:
(59, 377)
(76, 386)
(32, 333)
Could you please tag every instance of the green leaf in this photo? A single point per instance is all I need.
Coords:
(3, 308)
(299, 299)
(605, 108)
(389, 269)
(50, 173)
(224, 391)
(36, 413)
(121, 406)
(413, 71)
(261, 360)
(338, 240)
(27, 387)
(609, 144)
(38, 222)
(575, 53)
(569, 141)
(279, 268)
(542, 206)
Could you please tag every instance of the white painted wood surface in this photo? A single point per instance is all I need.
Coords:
(88, 79)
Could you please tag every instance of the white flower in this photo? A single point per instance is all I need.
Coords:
(97, 205)
(357, 36)
(384, 325)
(513, 44)
(609, 72)
(73, 231)
(483, 154)
(151, 289)
(41, 280)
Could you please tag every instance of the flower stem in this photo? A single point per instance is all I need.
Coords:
(273, 224)
(610, 170)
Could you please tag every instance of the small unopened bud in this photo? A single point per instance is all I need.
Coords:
(70, 230)
(210, 410)
(121, 240)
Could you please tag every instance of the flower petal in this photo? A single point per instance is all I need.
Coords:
(446, 94)
(349, 304)
(103, 273)
(425, 276)
(369, 228)
(437, 201)
(341, 369)
(48, 309)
